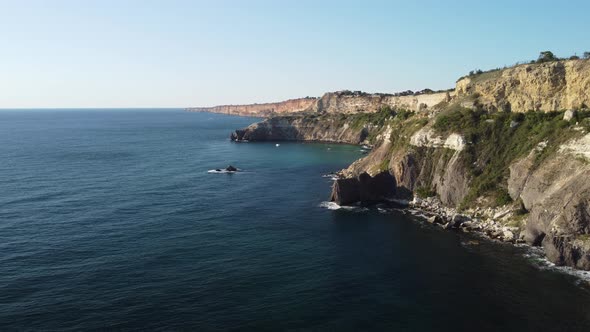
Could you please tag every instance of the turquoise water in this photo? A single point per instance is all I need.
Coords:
(109, 220)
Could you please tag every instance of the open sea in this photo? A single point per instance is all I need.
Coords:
(109, 220)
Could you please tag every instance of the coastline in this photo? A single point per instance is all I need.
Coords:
(501, 222)
(423, 211)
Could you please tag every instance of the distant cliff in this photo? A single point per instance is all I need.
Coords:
(543, 87)
(326, 128)
(334, 102)
(261, 110)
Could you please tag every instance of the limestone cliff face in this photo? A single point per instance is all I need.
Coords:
(300, 128)
(430, 161)
(546, 87)
(339, 102)
(261, 110)
(333, 102)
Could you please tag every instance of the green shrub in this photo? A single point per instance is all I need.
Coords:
(521, 209)
(494, 144)
(502, 197)
(384, 165)
(457, 119)
(403, 114)
(424, 192)
(546, 56)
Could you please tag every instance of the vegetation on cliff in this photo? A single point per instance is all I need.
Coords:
(496, 140)
(500, 137)
(544, 57)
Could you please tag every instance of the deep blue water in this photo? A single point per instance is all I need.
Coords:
(109, 220)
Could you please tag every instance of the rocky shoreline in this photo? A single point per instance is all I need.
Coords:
(489, 225)
(490, 222)
(488, 168)
(493, 223)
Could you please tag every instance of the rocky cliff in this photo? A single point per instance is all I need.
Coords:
(545, 87)
(522, 175)
(475, 160)
(261, 110)
(518, 179)
(556, 194)
(345, 102)
(304, 128)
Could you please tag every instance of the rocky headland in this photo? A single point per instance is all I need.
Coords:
(506, 154)
(341, 102)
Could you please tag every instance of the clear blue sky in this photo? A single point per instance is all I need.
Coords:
(127, 53)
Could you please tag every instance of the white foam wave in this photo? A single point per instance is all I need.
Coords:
(330, 206)
(334, 206)
(537, 255)
(221, 171)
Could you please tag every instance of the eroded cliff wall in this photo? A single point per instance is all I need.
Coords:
(333, 102)
(303, 128)
(338, 102)
(545, 87)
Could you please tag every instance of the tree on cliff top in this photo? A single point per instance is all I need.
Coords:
(546, 56)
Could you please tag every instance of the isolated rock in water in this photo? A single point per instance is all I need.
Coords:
(345, 191)
(230, 168)
(569, 115)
